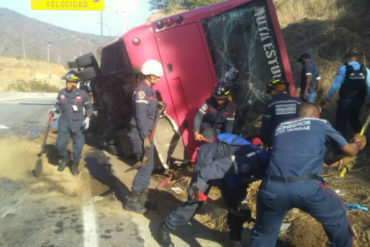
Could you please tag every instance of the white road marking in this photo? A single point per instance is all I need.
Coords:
(11, 208)
(89, 219)
(3, 127)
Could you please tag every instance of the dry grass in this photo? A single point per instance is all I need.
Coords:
(294, 11)
(28, 75)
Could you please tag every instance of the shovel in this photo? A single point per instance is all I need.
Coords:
(38, 168)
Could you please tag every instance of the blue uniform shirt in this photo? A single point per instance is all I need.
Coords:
(70, 105)
(280, 108)
(299, 146)
(145, 108)
(309, 69)
(341, 74)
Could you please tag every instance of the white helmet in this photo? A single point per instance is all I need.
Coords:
(152, 67)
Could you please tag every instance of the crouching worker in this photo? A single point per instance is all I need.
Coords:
(75, 110)
(216, 115)
(233, 161)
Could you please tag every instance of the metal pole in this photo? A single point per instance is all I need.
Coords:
(23, 48)
(101, 23)
(49, 59)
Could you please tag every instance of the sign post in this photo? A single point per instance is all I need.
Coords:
(67, 4)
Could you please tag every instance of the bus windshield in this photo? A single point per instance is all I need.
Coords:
(245, 55)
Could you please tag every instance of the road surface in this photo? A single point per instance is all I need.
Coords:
(59, 209)
(24, 116)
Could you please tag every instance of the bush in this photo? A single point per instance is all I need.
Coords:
(32, 86)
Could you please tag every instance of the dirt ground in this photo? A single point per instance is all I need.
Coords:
(18, 159)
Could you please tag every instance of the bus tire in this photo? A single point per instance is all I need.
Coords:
(85, 60)
(88, 73)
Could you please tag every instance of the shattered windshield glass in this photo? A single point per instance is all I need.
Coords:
(245, 55)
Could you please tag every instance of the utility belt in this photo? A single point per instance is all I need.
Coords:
(292, 179)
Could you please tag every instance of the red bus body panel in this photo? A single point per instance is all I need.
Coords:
(183, 51)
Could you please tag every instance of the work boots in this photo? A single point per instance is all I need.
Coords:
(63, 163)
(143, 200)
(164, 237)
(74, 167)
(134, 202)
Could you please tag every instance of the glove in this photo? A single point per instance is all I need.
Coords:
(146, 143)
(53, 111)
(347, 163)
(360, 140)
(86, 123)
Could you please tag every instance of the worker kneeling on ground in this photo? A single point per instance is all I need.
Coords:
(216, 115)
(233, 163)
(293, 179)
(279, 108)
(144, 113)
(75, 110)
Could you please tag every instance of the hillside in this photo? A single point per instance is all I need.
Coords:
(327, 30)
(26, 75)
(18, 30)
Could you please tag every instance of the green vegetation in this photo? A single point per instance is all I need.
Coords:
(170, 5)
(32, 86)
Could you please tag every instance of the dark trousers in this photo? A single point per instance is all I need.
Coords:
(78, 137)
(232, 198)
(348, 110)
(275, 198)
(142, 178)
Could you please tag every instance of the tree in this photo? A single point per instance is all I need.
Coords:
(169, 5)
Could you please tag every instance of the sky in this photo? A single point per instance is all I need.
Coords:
(114, 16)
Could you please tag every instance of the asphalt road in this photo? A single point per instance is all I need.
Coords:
(59, 209)
(25, 116)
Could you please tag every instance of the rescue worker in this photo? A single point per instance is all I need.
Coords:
(310, 78)
(279, 108)
(144, 112)
(293, 179)
(75, 111)
(353, 82)
(234, 161)
(216, 115)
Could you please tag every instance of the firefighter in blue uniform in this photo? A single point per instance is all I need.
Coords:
(75, 111)
(279, 108)
(235, 162)
(353, 82)
(144, 112)
(293, 179)
(216, 115)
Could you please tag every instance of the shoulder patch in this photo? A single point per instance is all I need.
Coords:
(141, 94)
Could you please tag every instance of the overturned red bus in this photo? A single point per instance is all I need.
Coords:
(238, 41)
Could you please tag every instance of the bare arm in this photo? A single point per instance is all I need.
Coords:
(308, 85)
(350, 149)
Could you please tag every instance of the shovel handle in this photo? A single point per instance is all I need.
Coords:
(365, 125)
